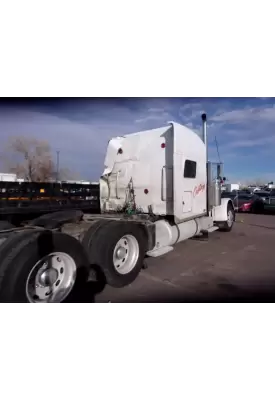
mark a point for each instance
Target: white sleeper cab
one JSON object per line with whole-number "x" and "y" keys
{"x": 164, "y": 172}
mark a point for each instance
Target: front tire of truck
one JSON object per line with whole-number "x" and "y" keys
{"x": 227, "y": 225}
{"x": 42, "y": 267}
{"x": 120, "y": 251}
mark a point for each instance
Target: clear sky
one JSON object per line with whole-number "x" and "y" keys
{"x": 81, "y": 128}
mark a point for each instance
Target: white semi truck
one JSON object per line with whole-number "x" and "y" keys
{"x": 156, "y": 190}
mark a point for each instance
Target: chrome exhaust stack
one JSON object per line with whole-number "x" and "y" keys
{"x": 213, "y": 198}
{"x": 208, "y": 165}
{"x": 204, "y": 133}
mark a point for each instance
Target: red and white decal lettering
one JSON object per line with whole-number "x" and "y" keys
{"x": 198, "y": 189}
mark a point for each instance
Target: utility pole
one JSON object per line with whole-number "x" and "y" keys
{"x": 57, "y": 165}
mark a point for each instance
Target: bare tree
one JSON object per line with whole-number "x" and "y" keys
{"x": 31, "y": 159}
{"x": 66, "y": 174}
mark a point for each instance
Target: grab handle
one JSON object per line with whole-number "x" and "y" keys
{"x": 117, "y": 176}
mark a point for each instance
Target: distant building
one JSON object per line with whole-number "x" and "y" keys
{"x": 229, "y": 187}
{"x": 5, "y": 177}
{"x": 81, "y": 182}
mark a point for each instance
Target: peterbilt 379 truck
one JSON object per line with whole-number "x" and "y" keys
{"x": 156, "y": 190}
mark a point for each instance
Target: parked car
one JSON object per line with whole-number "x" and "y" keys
{"x": 264, "y": 195}
{"x": 244, "y": 202}
{"x": 270, "y": 199}
{"x": 242, "y": 191}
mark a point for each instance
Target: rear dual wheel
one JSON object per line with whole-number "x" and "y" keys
{"x": 42, "y": 267}
{"x": 118, "y": 248}
{"x": 5, "y": 225}
{"x": 52, "y": 278}
{"x": 5, "y": 231}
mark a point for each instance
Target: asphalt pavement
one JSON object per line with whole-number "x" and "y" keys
{"x": 229, "y": 266}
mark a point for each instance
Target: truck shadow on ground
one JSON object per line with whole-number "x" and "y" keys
{"x": 224, "y": 293}
{"x": 95, "y": 285}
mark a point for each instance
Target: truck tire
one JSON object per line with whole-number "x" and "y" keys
{"x": 120, "y": 251}
{"x": 88, "y": 240}
{"x": 25, "y": 276}
{"x": 4, "y": 231}
{"x": 228, "y": 224}
{"x": 56, "y": 219}
{"x": 5, "y": 225}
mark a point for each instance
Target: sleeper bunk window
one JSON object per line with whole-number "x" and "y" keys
{"x": 190, "y": 169}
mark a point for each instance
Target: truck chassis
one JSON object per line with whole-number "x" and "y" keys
{"x": 52, "y": 258}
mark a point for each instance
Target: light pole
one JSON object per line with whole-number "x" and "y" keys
{"x": 57, "y": 165}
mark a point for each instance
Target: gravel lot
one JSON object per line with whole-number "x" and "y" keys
{"x": 235, "y": 266}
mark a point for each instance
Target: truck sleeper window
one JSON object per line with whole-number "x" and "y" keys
{"x": 190, "y": 169}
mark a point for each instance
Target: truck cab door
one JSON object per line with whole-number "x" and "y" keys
{"x": 183, "y": 189}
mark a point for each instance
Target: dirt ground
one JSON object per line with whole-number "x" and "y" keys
{"x": 234, "y": 266}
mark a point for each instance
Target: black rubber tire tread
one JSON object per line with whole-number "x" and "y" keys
{"x": 5, "y": 232}
{"x": 88, "y": 241}
{"x": 105, "y": 242}
{"x": 56, "y": 219}
{"x": 21, "y": 251}
{"x": 5, "y": 251}
{"x": 6, "y": 225}
{"x": 224, "y": 227}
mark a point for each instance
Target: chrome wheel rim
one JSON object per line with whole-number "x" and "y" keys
{"x": 126, "y": 254}
{"x": 230, "y": 218}
{"x": 51, "y": 279}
